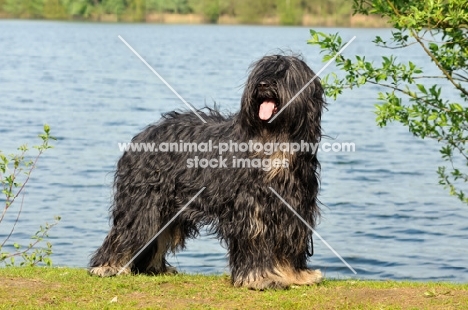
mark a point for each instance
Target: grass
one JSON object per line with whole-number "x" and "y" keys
{"x": 71, "y": 288}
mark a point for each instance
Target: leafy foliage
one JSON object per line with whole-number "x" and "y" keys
{"x": 289, "y": 12}
{"x": 251, "y": 12}
{"x": 24, "y": 8}
{"x": 15, "y": 172}
{"x": 170, "y": 6}
{"x": 53, "y": 9}
{"x": 210, "y": 9}
{"x": 83, "y": 8}
{"x": 417, "y": 100}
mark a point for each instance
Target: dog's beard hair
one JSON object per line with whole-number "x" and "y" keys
{"x": 262, "y": 236}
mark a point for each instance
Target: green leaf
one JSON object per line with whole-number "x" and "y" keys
{"x": 422, "y": 88}
{"x": 456, "y": 107}
{"x": 433, "y": 47}
{"x": 361, "y": 80}
{"x": 433, "y": 116}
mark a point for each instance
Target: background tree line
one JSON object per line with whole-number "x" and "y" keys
{"x": 288, "y": 12}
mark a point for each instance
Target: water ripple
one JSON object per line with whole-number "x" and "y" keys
{"x": 383, "y": 210}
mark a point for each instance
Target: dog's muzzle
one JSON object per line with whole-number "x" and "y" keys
{"x": 267, "y": 99}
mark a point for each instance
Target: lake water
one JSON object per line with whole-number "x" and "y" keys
{"x": 384, "y": 212}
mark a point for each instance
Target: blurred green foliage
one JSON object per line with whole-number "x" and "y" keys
{"x": 287, "y": 12}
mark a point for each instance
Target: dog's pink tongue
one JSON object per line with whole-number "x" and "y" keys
{"x": 266, "y": 110}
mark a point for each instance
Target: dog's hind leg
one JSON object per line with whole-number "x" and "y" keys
{"x": 132, "y": 229}
{"x": 106, "y": 261}
{"x": 157, "y": 263}
{"x": 111, "y": 258}
{"x": 116, "y": 252}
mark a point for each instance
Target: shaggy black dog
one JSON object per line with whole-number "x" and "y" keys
{"x": 267, "y": 244}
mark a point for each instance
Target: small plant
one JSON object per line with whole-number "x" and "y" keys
{"x": 15, "y": 172}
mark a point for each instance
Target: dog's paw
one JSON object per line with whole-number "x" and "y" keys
{"x": 107, "y": 271}
{"x": 168, "y": 270}
{"x": 171, "y": 270}
{"x": 280, "y": 278}
{"x": 313, "y": 276}
{"x": 265, "y": 284}
{"x": 262, "y": 284}
{"x": 267, "y": 280}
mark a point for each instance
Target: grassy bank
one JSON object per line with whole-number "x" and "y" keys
{"x": 67, "y": 288}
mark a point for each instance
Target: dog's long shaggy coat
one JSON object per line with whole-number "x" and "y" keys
{"x": 267, "y": 244}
